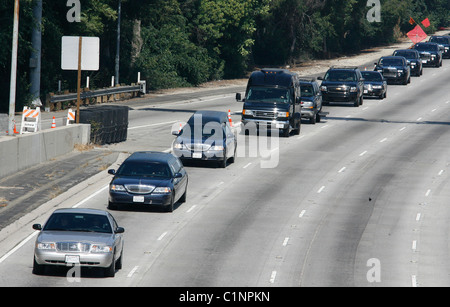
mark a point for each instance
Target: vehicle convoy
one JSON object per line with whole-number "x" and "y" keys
{"x": 206, "y": 136}
{"x": 394, "y": 69}
{"x": 444, "y": 43}
{"x": 79, "y": 237}
{"x": 311, "y": 100}
{"x": 148, "y": 178}
{"x": 374, "y": 84}
{"x": 413, "y": 57}
{"x": 272, "y": 98}
{"x": 430, "y": 53}
{"x": 342, "y": 84}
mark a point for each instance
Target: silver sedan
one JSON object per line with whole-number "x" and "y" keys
{"x": 79, "y": 237}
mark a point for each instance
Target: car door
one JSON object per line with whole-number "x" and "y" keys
{"x": 317, "y": 96}
{"x": 180, "y": 183}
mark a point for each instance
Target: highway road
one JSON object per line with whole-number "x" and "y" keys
{"x": 359, "y": 199}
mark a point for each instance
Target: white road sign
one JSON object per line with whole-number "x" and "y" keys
{"x": 90, "y": 53}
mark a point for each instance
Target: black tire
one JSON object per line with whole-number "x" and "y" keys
{"x": 169, "y": 207}
{"x": 183, "y": 197}
{"x": 112, "y": 206}
{"x": 318, "y": 118}
{"x": 356, "y": 103}
{"x": 111, "y": 270}
{"x": 38, "y": 269}
{"x": 312, "y": 120}
{"x": 285, "y": 132}
{"x": 119, "y": 261}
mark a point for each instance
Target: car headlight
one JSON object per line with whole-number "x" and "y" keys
{"x": 162, "y": 190}
{"x": 400, "y": 71}
{"x": 99, "y": 248}
{"x": 283, "y": 114}
{"x": 46, "y": 246}
{"x": 353, "y": 89}
{"x": 377, "y": 87}
{"x": 323, "y": 88}
{"x": 117, "y": 187}
{"x": 307, "y": 104}
{"x": 247, "y": 112}
{"x": 216, "y": 148}
{"x": 433, "y": 56}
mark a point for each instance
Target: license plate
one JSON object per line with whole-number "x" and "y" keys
{"x": 72, "y": 259}
{"x": 280, "y": 126}
{"x": 138, "y": 199}
{"x": 424, "y": 61}
{"x": 197, "y": 155}
{"x": 366, "y": 91}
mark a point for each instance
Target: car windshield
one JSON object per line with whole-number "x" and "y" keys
{"x": 391, "y": 62}
{"x": 307, "y": 90}
{"x": 406, "y": 54}
{"x": 268, "y": 94}
{"x": 144, "y": 169}
{"x": 340, "y": 76}
{"x": 426, "y": 47}
{"x": 440, "y": 40}
{"x": 78, "y": 222}
{"x": 368, "y": 76}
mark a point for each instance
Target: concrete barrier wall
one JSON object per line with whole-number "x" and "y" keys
{"x": 23, "y": 151}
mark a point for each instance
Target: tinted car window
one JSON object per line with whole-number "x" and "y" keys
{"x": 372, "y": 77}
{"x": 144, "y": 169}
{"x": 406, "y": 54}
{"x": 394, "y": 62}
{"x": 336, "y": 75}
{"x": 268, "y": 94}
{"x": 307, "y": 90}
{"x": 439, "y": 40}
{"x": 426, "y": 47}
{"x": 78, "y": 222}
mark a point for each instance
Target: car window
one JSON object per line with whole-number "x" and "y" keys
{"x": 144, "y": 169}
{"x": 307, "y": 90}
{"x": 78, "y": 222}
{"x": 336, "y": 75}
{"x": 393, "y": 62}
{"x": 406, "y": 54}
{"x": 371, "y": 76}
{"x": 268, "y": 94}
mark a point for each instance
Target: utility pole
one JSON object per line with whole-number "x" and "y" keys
{"x": 13, "y": 82}
{"x": 116, "y": 78}
{"x": 35, "y": 60}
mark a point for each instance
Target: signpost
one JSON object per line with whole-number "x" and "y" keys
{"x": 80, "y": 53}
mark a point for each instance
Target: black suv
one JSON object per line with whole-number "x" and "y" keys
{"x": 413, "y": 57}
{"x": 443, "y": 41}
{"x": 394, "y": 68}
{"x": 342, "y": 84}
{"x": 430, "y": 53}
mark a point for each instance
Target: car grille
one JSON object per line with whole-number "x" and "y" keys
{"x": 390, "y": 72}
{"x": 198, "y": 147}
{"x": 338, "y": 89}
{"x": 264, "y": 114}
{"x": 139, "y": 188}
{"x": 425, "y": 55}
{"x": 73, "y": 247}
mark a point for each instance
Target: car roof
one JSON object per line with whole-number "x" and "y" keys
{"x": 392, "y": 57}
{"x": 154, "y": 156}
{"x": 403, "y": 50}
{"x": 370, "y": 72}
{"x": 81, "y": 211}
{"x": 209, "y": 116}
{"x": 343, "y": 68}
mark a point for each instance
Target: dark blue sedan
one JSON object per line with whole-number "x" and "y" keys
{"x": 148, "y": 178}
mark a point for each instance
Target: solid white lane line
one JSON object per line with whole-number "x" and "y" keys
{"x": 383, "y": 140}
{"x": 414, "y": 245}
{"x": 321, "y": 189}
{"x": 302, "y": 213}
{"x": 247, "y": 165}
{"x": 92, "y": 196}
{"x": 285, "y": 242}
{"x": 441, "y": 172}
{"x": 191, "y": 208}
{"x": 403, "y": 129}
{"x": 428, "y": 193}
{"x": 342, "y": 169}
{"x": 152, "y": 125}
{"x": 413, "y": 281}
{"x": 418, "y": 217}
{"x": 18, "y": 246}
{"x": 363, "y": 153}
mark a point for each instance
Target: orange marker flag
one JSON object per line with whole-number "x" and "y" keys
{"x": 411, "y": 20}
{"x": 426, "y": 22}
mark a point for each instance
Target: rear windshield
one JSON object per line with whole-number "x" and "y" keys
{"x": 426, "y": 47}
{"x": 393, "y": 62}
{"x": 307, "y": 90}
{"x": 406, "y": 54}
{"x": 440, "y": 40}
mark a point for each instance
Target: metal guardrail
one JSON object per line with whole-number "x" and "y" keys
{"x": 55, "y": 102}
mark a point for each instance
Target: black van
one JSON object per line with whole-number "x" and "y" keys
{"x": 272, "y": 98}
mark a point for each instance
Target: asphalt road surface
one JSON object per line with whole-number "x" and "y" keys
{"x": 359, "y": 199}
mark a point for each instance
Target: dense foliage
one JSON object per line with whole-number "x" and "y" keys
{"x": 175, "y": 43}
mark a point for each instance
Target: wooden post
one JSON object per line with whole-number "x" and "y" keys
{"x": 79, "y": 80}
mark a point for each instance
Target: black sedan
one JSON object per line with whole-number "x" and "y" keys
{"x": 148, "y": 178}
{"x": 374, "y": 84}
{"x": 394, "y": 68}
{"x": 413, "y": 58}
{"x": 443, "y": 41}
{"x": 430, "y": 53}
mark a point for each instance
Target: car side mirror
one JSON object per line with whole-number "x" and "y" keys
{"x": 112, "y": 171}
{"x": 238, "y": 97}
{"x": 319, "y": 78}
{"x": 178, "y": 175}
{"x": 119, "y": 230}
{"x": 37, "y": 227}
